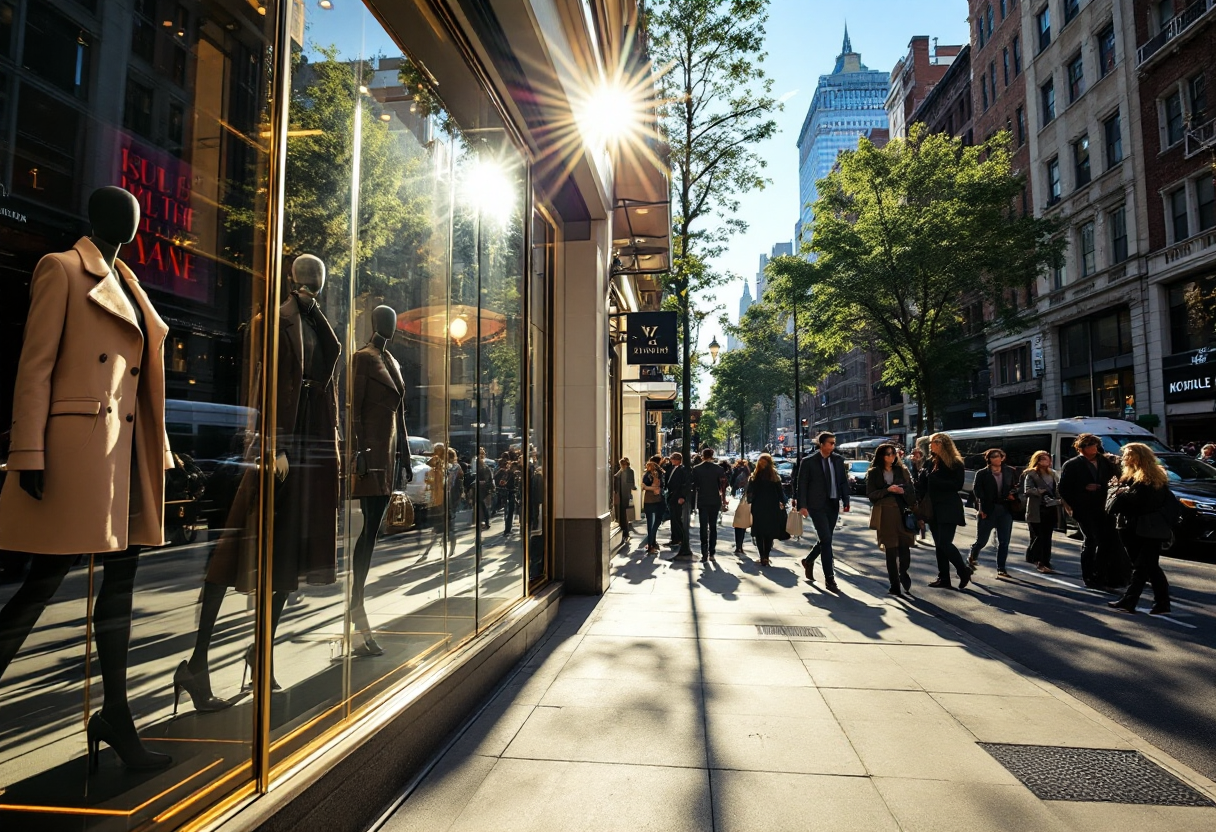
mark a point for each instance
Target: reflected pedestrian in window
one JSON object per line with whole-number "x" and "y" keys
{"x": 767, "y": 499}
{"x": 939, "y": 484}
{"x": 1042, "y": 491}
{"x": 996, "y": 493}
{"x": 889, "y": 486}
{"x": 1144, "y": 508}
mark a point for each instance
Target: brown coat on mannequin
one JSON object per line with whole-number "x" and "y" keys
{"x": 89, "y": 392}
{"x": 378, "y": 411}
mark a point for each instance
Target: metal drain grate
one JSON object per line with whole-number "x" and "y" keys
{"x": 1099, "y": 775}
{"x": 789, "y": 632}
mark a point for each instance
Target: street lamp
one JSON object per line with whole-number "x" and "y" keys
{"x": 714, "y": 348}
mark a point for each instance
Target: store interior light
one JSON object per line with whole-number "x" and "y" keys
{"x": 325, "y": 4}
{"x": 386, "y": 117}
{"x": 458, "y": 329}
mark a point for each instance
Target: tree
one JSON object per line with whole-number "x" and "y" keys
{"x": 715, "y": 107}
{"x": 905, "y": 233}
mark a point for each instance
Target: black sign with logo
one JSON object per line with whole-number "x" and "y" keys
{"x": 651, "y": 338}
{"x": 1190, "y": 376}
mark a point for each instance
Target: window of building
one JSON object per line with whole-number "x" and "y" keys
{"x": 1205, "y": 202}
{"x": 1198, "y": 89}
{"x": 1178, "y": 218}
{"x": 1016, "y": 44}
{"x": 8, "y": 15}
{"x": 1174, "y": 125}
{"x": 1080, "y": 158}
{"x": 143, "y": 30}
{"x": 137, "y": 108}
{"x": 1112, "y": 133}
{"x": 992, "y": 79}
{"x": 1004, "y": 8}
{"x": 1071, "y": 9}
{"x": 1047, "y": 97}
{"x": 1096, "y": 365}
{"x": 988, "y": 20}
{"x": 1187, "y": 332}
{"x": 1020, "y": 119}
{"x": 1106, "y": 50}
{"x": 1013, "y": 365}
{"x": 1005, "y": 64}
{"x": 57, "y": 50}
{"x": 1088, "y": 260}
{"x": 1044, "y": 21}
{"x": 1165, "y": 13}
{"x": 984, "y": 93}
{"x": 1117, "y": 219}
{"x": 1076, "y": 78}
{"x": 1053, "y": 181}
{"x": 979, "y": 31}
{"x": 1059, "y": 274}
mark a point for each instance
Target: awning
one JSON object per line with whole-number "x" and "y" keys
{"x": 653, "y": 390}
{"x": 641, "y": 221}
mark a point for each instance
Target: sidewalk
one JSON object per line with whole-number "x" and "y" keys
{"x": 664, "y": 706}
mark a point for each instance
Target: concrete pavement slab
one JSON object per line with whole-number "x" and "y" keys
{"x": 961, "y": 670}
{"x": 442, "y": 796}
{"x": 799, "y": 701}
{"x": 647, "y": 694}
{"x": 747, "y": 801}
{"x": 1121, "y": 817}
{"x": 929, "y": 749}
{"x": 672, "y": 737}
{"x": 773, "y": 742}
{"x": 1027, "y": 720}
{"x": 494, "y": 729}
{"x": 853, "y": 666}
{"x": 755, "y": 661}
{"x": 937, "y": 806}
{"x": 624, "y": 657}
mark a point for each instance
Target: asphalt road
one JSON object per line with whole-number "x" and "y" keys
{"x": 1155, "y": 675}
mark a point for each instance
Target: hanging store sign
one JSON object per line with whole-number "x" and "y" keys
{"x": 650, "y": 338}
{"x": 1189, "y": 376}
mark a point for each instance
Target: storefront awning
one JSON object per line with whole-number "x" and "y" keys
{"x": 653, "y": 390}
{"x": 641, "y": 222}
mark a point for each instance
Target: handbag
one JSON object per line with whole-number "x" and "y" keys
{"x": 782, "y": 534}
{"x": 906, "y": 515}
{"x": 743, "y": 515}
{"x": 793, "y": 525}
{"x": 400, "y": 514}
{"x": 361, "y": 462}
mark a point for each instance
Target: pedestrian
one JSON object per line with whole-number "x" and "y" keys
{"x": 740, "y": 475}
{"x": 708, "y": 488}
{"x": 1083, "y": 483}
{"x": 679, "y": 492}
{"x": 891, "y": 491}
{"x": 506, "y": 483}
{"x": 622, "y": 496}
{"x": 1145, "y": 508}
{"x": 1042, "y": 490}
{"x": 1208, "y": 454}
{"x": 823, "y": 492}
{"x": 940, "y": 481}
{"x": 916, "y": 461}
{"x": 768, "y": 503}
{"x": 484, "y": 498}
{"x": 996, "y": 493}
{"x": 652, "y": 504}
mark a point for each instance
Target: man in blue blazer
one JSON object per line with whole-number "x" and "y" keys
{"x": 823, "y": 491}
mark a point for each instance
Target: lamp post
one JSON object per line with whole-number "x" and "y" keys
{"x": 797, "y": 388}
{"x": 714, "y": 349}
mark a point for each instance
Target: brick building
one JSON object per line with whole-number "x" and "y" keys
{"x": 913, "y": 78}
{"x": 948, "y": 107}
{"x": 998, "y": 80}
{"x": 1175, "y": 45}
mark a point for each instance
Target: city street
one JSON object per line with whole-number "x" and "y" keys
{"x": 1151, "y": 674}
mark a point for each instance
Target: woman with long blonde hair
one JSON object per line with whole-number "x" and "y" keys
{"x": 1141, "y": 502}
{"x": 940, "y": 481}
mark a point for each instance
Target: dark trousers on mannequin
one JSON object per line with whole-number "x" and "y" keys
{"x": 213, "y": 598}
{"x": 373, "y": 516}
{"x": 111, "y": 618}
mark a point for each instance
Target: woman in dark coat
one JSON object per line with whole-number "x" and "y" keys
{"x": 940, "y": 482}
{"x": 1138, "y": 502}
{"x": 767, "y": 499}
{"x": 890, "y": 490}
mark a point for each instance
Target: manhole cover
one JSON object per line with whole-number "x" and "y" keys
{"x": 1100, "y": 775}
{"x": 789, "y": 632}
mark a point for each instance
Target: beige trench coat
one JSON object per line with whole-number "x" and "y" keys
{"x": 89, "y": 391}
{"x": 886, "y": 514}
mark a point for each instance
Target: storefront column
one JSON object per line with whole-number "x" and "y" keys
{"x": 583, "y": 511}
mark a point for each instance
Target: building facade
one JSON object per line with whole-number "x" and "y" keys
{"x": 339, "y": 203}
{"x": 947, "y": 108}
{"x": 847, "y": 104}
{"x": 745, "y": 303}
{"x": 913, "y": 78}
{"x": 1175, "y": 43}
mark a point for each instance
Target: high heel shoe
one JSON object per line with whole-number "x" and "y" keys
{"x": 125, "y": 742}
{"x": 199, "y": 689}
{"x": 248, "y": 671}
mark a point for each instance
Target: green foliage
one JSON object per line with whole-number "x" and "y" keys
{"x": 905, "y": 235}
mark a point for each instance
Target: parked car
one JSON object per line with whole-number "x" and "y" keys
{"x": 785, "y": 470}
{"x": 857, "y": 475}
{"x": 1194, "y": 483}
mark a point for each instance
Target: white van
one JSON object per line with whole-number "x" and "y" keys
{"x": 1056, "y": 436}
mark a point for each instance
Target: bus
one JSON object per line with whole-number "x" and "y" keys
{"x": 1056, "y": 436}
{"x": 861, "y": 448}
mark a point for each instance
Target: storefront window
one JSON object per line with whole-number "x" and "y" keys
{"x": 1097, "y": 365}
{"x": 121, "y": 694}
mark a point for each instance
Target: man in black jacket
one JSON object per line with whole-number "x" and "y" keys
{"x": 995, "y": 491}
{"x": 1083, "y": 483}
{"x": 708, "y": 486}
{"x": 679, "y": 491}
{"x": 823, "y": 491}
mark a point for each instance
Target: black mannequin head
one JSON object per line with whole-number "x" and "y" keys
{"x": 384, "y": 323}
{"x": 308, "y": 272}
{"x": 114, "y": 215}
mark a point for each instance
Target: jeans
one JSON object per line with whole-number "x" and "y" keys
{"x": 824, "y": 521}
{"x": 709, "y": 529}
{"x": 654, "y": 516}
{"x": 899, "y": 558}
{"x": 947, "y": 553}
{"x": 1001, "y": 521}
{"x": 1039, "y": 550}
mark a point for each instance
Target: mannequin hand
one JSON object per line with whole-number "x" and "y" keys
{"x": 33, "y": 483}
{"x": 280, "y": 467}
{"x": 804, "y": 512}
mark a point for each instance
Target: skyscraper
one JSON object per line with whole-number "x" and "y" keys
{"x": 848, "y": 104}
{"x": 745, "y": 302}
{"x": 778, "y": 250}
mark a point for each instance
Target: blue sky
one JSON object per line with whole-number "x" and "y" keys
{"x": 804, "y": 37}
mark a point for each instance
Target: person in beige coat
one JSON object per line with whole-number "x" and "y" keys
{"x": 88, "y": 451}
{"x": 890, "y": 488}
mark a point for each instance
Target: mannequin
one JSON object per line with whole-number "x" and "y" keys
{"x": 91, "y": 472}
{"x": 379, "y": 440}
{"x": 306, "y": 467}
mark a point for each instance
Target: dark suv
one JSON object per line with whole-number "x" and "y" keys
{"x": 1194, "y": 483}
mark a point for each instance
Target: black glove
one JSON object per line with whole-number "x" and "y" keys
{"x": 33, "y": 483}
